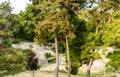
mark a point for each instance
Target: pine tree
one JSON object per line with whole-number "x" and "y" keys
{"x": 111, "y": 38}
{"x": 48, "y": 25}
{"x": 69, "y": 11}
{"x": 100, "y": 15}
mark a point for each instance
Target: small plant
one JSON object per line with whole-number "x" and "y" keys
{"x": 63, "y": 71}
{"x": 48, "y": 55}
{"x": 7, "y": 41}
{"x": 17, "y": 41}
{"x": 51, "y": 61}
{"x": 40, "y": 65}
{"x": 32, "y": 62}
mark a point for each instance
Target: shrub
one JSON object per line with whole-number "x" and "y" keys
{"x": 48, "y": 55}
{"x": 32, "y": 62}
{"x": 17, "y": 41}
{"x": 74, "y": 69}
{"x": 7, "y": 41}
{"x": 51, "y": 61}
{"x": 12, "y": 61}
{"x": 113, "y": 63}
{"x": 40, "y": 65}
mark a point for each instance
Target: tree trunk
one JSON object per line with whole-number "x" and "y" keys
{"x": 68, "y": 56}
{"x": 57, "y": 53}
{"x": 89, "y": 67}
{"x": 33, "y": 73}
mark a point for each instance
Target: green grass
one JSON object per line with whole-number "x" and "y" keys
{"x": 61, "y": 74}
{"x": 97, "y": 74}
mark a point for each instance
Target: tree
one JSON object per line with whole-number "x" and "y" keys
{"x": 76, "y": 43}
{"x": 32, "y": 62}
{"x": 26, "y": 22}
{"x": 5, "y": 19}
{"x": 111, "y": 38}
{"x": 67, "y": 9}
{"x": 99, "y": 16}
{"x": 49, "y": 26}
{"x": 69, "y": 12}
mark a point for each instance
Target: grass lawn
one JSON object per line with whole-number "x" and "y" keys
{"x": 51, "y": 74}
{"x": 40, "y": 74}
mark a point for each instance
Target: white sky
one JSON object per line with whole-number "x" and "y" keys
{"x": 18, "y": 5}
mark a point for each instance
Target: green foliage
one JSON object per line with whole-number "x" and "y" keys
{"x": 95, "y": 28}
{"x": 26, "y": 22}
{"x": 111, "y": 34}
{"x": 61, "y": 48}
{"x": 75, "y": 63}
{"x": 40, "y": 20}
{"x": 32, "y": 62}
{"x": 40, "y": 65}
{"x": 74, "y": 66}
{"x": 62, "y": 71}
{"x": 16, "y": 41}
{"x": 6, "y": 19}
{"x": 111, "y": 38}
{"x": 76, "y": 43}
{"x": 117, "y": 16}
{"x": 74, "y": 69}
{"x": 113, "y": 64}
{"x": 11, "y": 60}
{"x": 51, "y": 61}
{"x": 7, "y": 41}
{"x": 48, "y": 55}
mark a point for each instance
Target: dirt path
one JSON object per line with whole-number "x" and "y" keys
{"x": 39, "y": 74}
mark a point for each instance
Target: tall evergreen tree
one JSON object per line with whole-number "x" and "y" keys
{"x": 111, "y": 38}
{"x": 100, "y": 14}
{"x": 49, "y": 26}
{"x": 67, "y": 9}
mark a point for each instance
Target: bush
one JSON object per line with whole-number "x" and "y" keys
{"x": 17, "y": 41}
{"x": 51, "y": 61}
{"x": 113, "y": 63}
{"x": 12, "y": 61}
{"x": 63, "y": 71}
{"x": 74, "y": 69}
{"x": 40, "y": 65}
{"x": 32, "y": 62}
{"x": 7, "y": 41}
{"x": 75, "y": 63}
{"x": 48, "y": 55}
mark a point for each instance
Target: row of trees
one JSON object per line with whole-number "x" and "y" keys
{"x": 80, "y": 26}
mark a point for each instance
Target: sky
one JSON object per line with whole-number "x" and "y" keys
{"x": 18, "y": 5}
